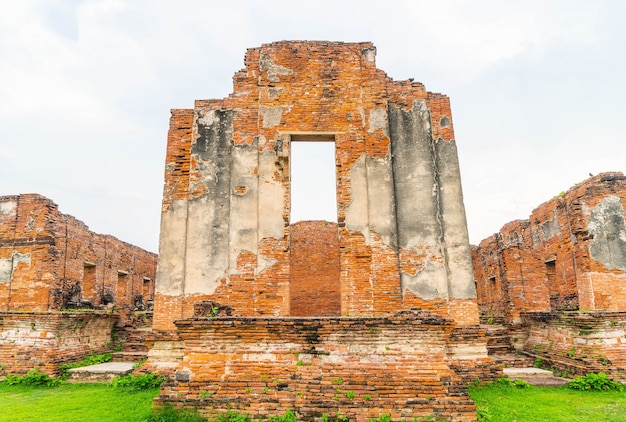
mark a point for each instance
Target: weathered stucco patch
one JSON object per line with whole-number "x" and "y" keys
{"x": 271, "y": 195}
{"x": 356, "y": 213}
{"x": 273, "y": 70}
{"x": 378, "y": 120}
{"x": 606, "y": 224}
{"x": 172, "y": 243}
{"x": 8, "y": 207}
{"x": 8, "y": 265}
{"x": 428, "y": 283}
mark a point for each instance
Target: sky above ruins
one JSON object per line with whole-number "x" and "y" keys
{"x": 537, "y": 91}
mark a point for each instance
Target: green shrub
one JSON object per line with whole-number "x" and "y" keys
{"x": 595, "y": 382}
{"x": 34, "y": 377}
{"x": 512, "y": 383}
{"x": 138, "y": 382}
{"x": 233, "y": 417}
{"x": 289, "y": 416}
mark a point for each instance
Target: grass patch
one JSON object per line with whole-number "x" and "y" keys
{"x": 502, "y": 402}
{"x": 74, "y": 402}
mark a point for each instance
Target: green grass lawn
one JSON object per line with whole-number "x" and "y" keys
{"x": 502, "y": 403}
{"x": 495, "y": 402}
{"x": 73, "y": 403}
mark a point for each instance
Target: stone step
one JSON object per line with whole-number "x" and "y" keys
{"x": 103, "y": 372}
{"x": 535, "y": 376}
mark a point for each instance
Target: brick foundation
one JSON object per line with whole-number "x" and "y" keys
{"x": 360, "y": 367}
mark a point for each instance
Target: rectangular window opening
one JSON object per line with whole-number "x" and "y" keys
{"x": 313, "y": 178}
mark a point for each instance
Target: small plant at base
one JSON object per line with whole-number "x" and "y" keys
{"x": 367, "y": 397}
{"x": 233, "y": 416}
{"x": 266, "y": 390}
{"x": 138, "y": 382}
{"x": 169, "y": 414}
{"x": 538, "y": 363}
{"x": 595, "y": 382}
{"x": 483, "y": 414}
{"x": 340, "y": 417}
{"x": 289, "y": 416}
{"x": 337, "y": 381}
{"x": 33, "y": 377}
{"x": 513, "y": 383}
{"x": 350, "y": 395}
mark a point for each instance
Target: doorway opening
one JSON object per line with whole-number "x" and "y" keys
{"x": 315, "y": 288}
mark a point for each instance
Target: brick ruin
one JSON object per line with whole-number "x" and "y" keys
{"x": 63, "y": 288}
{"x": 558, "y": 279}
{"x": 373, "y": 314}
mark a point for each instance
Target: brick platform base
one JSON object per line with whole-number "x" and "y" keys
{"x": 400, "y": 365}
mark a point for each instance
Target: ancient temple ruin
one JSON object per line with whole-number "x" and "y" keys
{"x": 269, "y": 313}
{"x": 557, "y": 280}
{"x": 50, "y": 265}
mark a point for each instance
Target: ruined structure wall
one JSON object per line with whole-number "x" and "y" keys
{"x": 226, "y": 227}
{"x": 570, "y": 255}
{"x": 45, "y": 255}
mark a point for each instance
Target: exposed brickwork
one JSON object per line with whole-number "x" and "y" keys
{"x": 49, "y": 260}
{"x": 358, "y": 367}
{"x": 547, "y": 262}
{"x": 315, "y": 287}
{"x": 44, "y": 340}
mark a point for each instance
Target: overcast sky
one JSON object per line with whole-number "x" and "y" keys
{"x": 537, "y": 91}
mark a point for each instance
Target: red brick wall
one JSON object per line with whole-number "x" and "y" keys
{"x": 51, "y": 252}
{"x": 314, "y": 272}
{"x": 545, "y": 263}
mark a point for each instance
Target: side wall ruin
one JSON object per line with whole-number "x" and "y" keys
{"x": 50, "y": 260}
{"x": 558, "y": 279}
{"x": 50, "y": 263}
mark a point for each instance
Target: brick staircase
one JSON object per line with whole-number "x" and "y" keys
{"x": 500, "y": 348}
{"x": 136, "y": 345}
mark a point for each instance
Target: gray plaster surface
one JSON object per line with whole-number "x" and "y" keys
{"x": 117, "y": 368}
